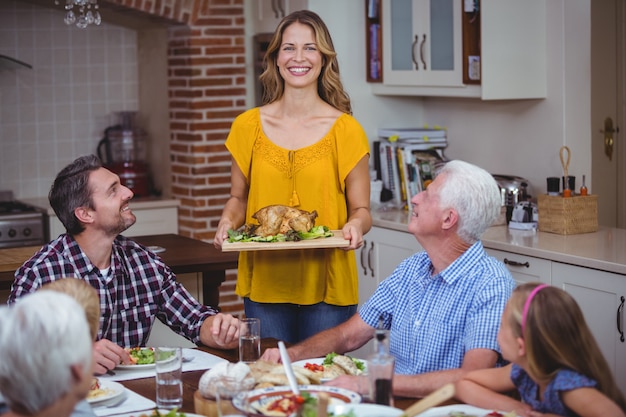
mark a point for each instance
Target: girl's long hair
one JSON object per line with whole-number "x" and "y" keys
{"x": 329, "y": 85}
{"x": 556, "y": 336}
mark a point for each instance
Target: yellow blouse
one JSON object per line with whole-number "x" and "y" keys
{"x": 316, "y": 174}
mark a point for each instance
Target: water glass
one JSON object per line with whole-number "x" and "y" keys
{"x": 249, "y": 340}
{"x": 169, "y": 385}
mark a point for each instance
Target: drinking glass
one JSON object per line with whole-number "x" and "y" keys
{"x": 169, "y": 385}
{"x": 250, "y": 340}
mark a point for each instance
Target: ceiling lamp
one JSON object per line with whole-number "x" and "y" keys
{"x": 86, "y": 13}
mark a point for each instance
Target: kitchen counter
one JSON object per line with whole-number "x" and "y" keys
{"x": 604, "y": 250}
{"x": 143, "y": 203}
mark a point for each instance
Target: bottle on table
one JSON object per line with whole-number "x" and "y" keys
{"x": 380, "y": 368}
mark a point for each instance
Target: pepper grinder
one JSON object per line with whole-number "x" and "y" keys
{"x": 583, "y": 188}
{"x": 380, "y": 367}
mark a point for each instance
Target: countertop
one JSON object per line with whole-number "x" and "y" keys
{"x": 142, "y": 203}
{"x": 604, "y": 250}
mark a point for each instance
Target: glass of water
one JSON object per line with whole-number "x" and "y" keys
{"x": 250, "y": 340}
{"x": 169, "y": 385}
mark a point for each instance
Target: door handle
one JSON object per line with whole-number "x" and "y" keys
{"x": 369, "y": 259}
{"x": 620, "y": 315}
{"x": 363, "y": 251}
{"x": 608, "y": 132}
{"x": 422, "y": 51}
{"x": 413, "y": 53}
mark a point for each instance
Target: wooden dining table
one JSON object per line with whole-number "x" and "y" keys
{"x": 147, "y": 386}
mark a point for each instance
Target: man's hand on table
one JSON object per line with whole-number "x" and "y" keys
{"x": 107, "y": 355}
{"x": 220, "y": 331}
{"x": 273, "y": 355}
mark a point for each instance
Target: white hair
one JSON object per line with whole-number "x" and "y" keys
{"x": 474, "y": 194}
{"x": 41, "y": 336}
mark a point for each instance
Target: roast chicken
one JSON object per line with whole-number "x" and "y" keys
{"x": 277, "y": 219}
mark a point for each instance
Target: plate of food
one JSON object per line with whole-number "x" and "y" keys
{"x": 142, "y": 357}
{"x": 333, "y": 365}
{"x": 464, "y": 410}
{"x": 363, "y": 410}
{"x": 104, "y": 390}
{"x": 281, "y": 402}
{"x": 283, "y": 227}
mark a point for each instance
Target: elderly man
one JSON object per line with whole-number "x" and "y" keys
{"x": 46, "y": 366}
{"x": 134, "y": 285}
{"x": 443, "y": 305}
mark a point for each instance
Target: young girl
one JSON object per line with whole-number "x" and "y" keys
{"x": 556, "y": 364}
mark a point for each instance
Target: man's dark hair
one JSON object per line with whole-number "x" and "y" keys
{"x": 70, "y": 190}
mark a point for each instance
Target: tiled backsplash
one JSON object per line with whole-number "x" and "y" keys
{"x": 58, "y": 110}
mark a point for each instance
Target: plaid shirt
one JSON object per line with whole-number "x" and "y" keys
{"x": 138, "y": 287}
{"x": 435, "y": 320}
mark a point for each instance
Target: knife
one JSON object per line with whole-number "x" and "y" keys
{"x": 284, "y": 356}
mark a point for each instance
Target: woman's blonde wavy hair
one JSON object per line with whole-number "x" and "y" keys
{"x": 329, "y": 86}
{"x": 556, "y": 336}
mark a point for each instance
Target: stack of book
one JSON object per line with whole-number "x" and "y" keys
{"x": 406, "y": 160}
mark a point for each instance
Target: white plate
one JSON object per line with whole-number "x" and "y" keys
{"x": 365, "y": 410}
{"x": 467, "y": 409}
{"x": 265, "y": 395}
{"x": 112, "y": 388}
{"x": 156, "y": 249}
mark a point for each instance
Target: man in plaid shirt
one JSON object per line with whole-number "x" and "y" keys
{"x": 133, "y": 283}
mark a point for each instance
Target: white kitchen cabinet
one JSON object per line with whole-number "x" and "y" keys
{"x": 601, "y": 296}
{"x": 422, "y": 42}
{"x": 524, "y": 268}
{"x": 512, "y": 47}
{"x": 382, "y": 251}
{"x": 266, "y": 14}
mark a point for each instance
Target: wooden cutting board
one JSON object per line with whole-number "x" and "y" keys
{"x": 336, "y": 241}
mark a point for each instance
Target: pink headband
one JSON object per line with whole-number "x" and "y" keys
{"x": 527, "y": 304}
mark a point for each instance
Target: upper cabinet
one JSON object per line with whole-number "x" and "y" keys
{"x": 422, "y": 43}
{"x": 268, "y": 13}
{"x": 488, "y": 49}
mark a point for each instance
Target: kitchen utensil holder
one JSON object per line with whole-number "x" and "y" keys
{"x": 568, "y": 216}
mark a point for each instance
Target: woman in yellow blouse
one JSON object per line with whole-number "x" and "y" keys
{"x": 304, "y": 149}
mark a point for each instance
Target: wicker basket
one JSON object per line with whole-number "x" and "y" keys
{"x": 568, "y": 216}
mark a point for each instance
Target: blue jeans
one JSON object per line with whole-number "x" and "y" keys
{"x": 293, "y": 323}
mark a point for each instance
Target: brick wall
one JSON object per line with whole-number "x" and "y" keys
{"x": 206, "y": 72}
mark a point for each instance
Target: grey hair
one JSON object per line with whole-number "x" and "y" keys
{"x": 474, "y": 194}
{"x": 41, "y": 337}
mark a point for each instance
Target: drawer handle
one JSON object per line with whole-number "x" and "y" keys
{"x": 363, "y": 260}
{"x": 369, "y": 259}
{"x": 515, "y": 263}
{"x": 620, "y": 314}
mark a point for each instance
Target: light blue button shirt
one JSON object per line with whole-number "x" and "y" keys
{"x": 436, "y": 320}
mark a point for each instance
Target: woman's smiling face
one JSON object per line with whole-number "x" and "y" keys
{"x": 299, "y": 60}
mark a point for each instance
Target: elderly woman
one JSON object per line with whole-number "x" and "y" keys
{"x": 46, "y": 346}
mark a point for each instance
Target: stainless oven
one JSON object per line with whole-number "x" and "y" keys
{"x": 21, "y": 224}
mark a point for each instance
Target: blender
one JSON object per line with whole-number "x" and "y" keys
{"x": 122, "y": 150}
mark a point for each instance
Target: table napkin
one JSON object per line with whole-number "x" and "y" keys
{"x": 133, "y": 403}
{"x": 199, "y": 360}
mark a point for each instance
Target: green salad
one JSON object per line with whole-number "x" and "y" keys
{"x": 328, "y": 360}
{"x": 142, "y": 356}
{"x": 316, "y": 232}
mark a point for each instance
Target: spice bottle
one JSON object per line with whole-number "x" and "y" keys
{"x": 583, "y": 188}
{"x": 380, "y": 367}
